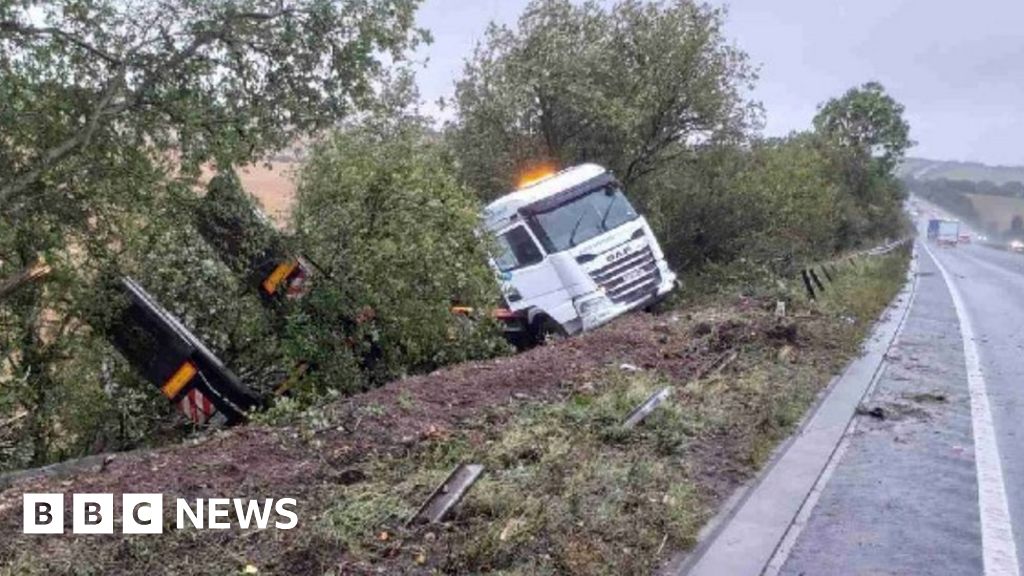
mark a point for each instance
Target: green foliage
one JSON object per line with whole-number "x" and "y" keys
{"x": 233, "y": 223}
{"x": 773, "y": 203}
{"x": 108, "y": 110}
{"x": 655, "y": 92}
{"x": 780, "y": 203}
{"x": 865, "y": 138}
{"x": 869, "y": 122}
{"x": 379, "y": 207}
{"x": 208, "y": 80}
{"x": 629, "y": 87}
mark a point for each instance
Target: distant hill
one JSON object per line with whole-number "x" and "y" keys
{"x": 989, "y": 198}
{"x": 925, "y": 169}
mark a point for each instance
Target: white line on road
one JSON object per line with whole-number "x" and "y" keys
{"x": 785, "y": 548}
{"x": 999, "y": 550}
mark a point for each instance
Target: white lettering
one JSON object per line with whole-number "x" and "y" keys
{"x": 219, "y": 508}
{"x": 252, "y": 509}
{"x": 282, "y": 510}
{"x": 185, "y": 510}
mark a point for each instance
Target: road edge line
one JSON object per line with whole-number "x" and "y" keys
{"x": 796, "y": 528}
{"x": 999, "y": 549}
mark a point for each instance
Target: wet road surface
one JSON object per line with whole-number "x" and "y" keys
{"x": 903, "y": 498}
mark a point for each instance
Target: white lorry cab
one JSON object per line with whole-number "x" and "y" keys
{"x": 572, "y": 253}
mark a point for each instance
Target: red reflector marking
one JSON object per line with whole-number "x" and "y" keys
{"x": 196, "y": 406}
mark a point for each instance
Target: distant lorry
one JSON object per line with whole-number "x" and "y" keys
{"x": 949, "y": 233}
{"x": 572, "y": 253}
{"x": 933, "y": 228}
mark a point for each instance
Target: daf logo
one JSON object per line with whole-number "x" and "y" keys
{"x": 621, "y": 252}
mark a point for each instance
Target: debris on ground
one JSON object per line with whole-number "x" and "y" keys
{"x": 891, "y": 411}
{"x": 876, "y": 412}
{"x": 926, "y": 397}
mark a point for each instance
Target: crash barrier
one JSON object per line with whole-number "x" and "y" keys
{"x": 816, "y": 277}
{"x": 174, "y": 360}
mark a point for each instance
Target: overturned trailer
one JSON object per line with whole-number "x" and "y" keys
{"x": 248, "y": 244}
{"x": 173, "y": 359}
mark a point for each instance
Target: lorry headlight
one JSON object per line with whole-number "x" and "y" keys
{"x": 591, "y": 306}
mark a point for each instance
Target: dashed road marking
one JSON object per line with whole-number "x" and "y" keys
{"x": 999, "y": 550}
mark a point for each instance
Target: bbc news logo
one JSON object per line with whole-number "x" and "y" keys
{"x": 144, "y": 513}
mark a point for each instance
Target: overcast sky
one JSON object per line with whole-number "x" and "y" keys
{"x": 957, "y": 66}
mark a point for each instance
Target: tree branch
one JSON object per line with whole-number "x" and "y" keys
{"x": 10, "y": 284}
{"x": 19, "y": 28}
{"x": 60, "y": 151}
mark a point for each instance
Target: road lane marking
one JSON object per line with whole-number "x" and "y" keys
{"x": 789, "y": 540}
{"x": 999, "y": 550}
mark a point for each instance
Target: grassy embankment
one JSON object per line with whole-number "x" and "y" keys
{"x": 566, "y": 490}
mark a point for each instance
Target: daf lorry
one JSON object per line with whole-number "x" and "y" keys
{"x": 572, "y": 253}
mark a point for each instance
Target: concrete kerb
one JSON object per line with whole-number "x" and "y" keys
{"x": 747, "y": 532}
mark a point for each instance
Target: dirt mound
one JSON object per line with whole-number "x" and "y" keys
{"x": 417, "y": 407}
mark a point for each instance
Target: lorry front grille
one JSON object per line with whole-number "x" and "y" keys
{"x": 629, "y": 279}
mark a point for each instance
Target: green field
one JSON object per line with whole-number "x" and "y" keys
{"x": 923, "y": 168}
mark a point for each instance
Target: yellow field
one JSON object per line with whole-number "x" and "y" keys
{"x": 273, "y": 185}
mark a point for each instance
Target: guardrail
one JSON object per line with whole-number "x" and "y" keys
{"x": 817, "y": 276}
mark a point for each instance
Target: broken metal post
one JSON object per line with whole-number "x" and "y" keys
{"x": 807, "y": 284}
{"x": 644, "y": 410}
{"x": 817, "y": 281}
{"x": 448, "y": 494}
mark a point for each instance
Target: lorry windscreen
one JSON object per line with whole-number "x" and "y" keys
{"x": 582, "y": 218}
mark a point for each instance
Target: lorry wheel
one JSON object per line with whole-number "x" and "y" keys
{"x": 548, "y": 331}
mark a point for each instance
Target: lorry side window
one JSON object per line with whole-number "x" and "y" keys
{"x": 516, "y": 249}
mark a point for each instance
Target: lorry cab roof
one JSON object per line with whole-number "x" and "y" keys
{"x": 504, "y": 210}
